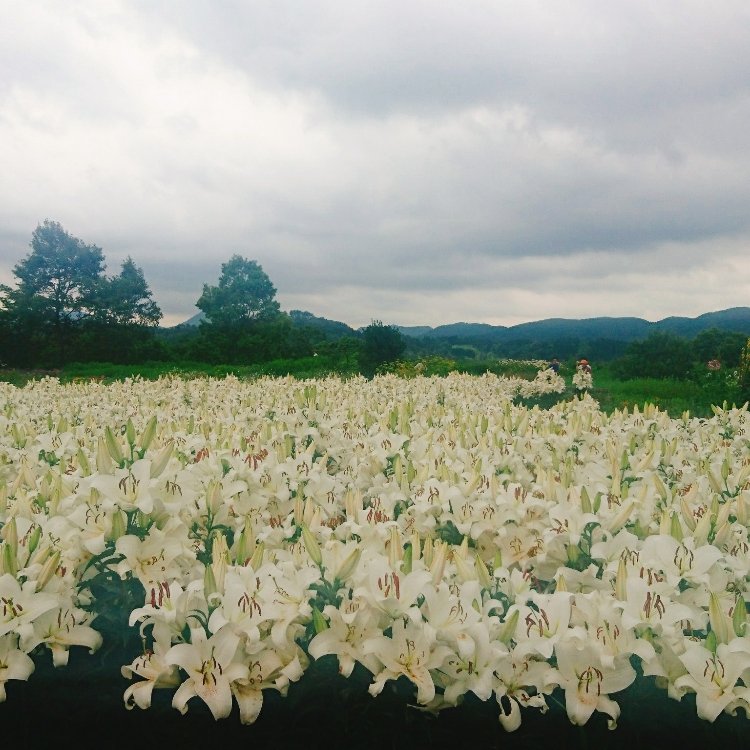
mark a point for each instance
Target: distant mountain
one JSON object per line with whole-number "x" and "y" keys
{"x": 332, "y": 328}
{"x": 616, "y": 329}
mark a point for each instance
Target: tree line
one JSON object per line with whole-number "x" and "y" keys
{"x": 64, "y": 308}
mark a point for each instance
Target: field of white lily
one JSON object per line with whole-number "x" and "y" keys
{"x": 429, "y": 530}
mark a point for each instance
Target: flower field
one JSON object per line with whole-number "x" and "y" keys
{"x": 429, "y": 533}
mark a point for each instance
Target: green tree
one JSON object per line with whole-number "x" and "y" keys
{"x": 63, "y": 307}
{"x": 122, "y": 327}
{"x": 126, "y": 299}
{"x": 726, "y": 346}
{"x": 244, "y": 324}
{"x": 661, "y": 355}
{"x": 57, "y": 289}
{"x": 243, "y": 295}
{"x": 380, "y": 344}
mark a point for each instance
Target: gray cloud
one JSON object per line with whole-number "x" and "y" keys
{"x": 389, "y": 160}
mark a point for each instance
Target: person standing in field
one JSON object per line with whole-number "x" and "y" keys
{"x": 583, "y": 379}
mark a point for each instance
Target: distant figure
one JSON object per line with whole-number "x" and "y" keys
{"x": 554, "y": 365}
{"x": 582, "y": 380}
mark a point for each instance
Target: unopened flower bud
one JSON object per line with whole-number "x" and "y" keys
{"x": 113, "y": 446}
{"x": 349, "y": 565}
{"x": 9, "y": 560}
{"x": 319, "y": 622}
{"x": 437, "y": 568}
{"x": 406, "y": 562}
{"x": 104, "y": 463}
{"x": 721, "y": 625}
{"x": 162, "y": 459}
{"x": 148, "y": 434}
{"x": 395, "y": 551}
{"x": 256, "y": 561}
{"x": 739, "y": 617}
{"x": 119, "y": 525}
{"x": 311, "y": 545}
{"x": 508, "y": 630}
{"x": 483, "y": 573}
{"x": 130, "y": 433}
{"x": 48, "y": 570}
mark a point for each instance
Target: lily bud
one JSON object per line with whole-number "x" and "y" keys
{"x": 162, "y": 459}
{"x": 309, "y": 509}
{"x": 148, "y": 434}
{"x": 256, "y": 561}
{"x": 119, "y": 526}
{"x": 586, "y": 506}
{"x": 743, "y": 512}
{"x": 437, "y": 568}
{"x": 244, "y": 542}
{"x": 10, "y": 532}
{"x": 10, "y": 563}
{"x": 113, "y": 446}
{"x": 298, "y": 510}
{"x": 210, "y": 589}
{"x": 406, "y": 562}
{"x": 220, "y": 559}
{"x": 721, "y": 625}
{"x": 395, "y": 550}
{"x": 312, "y": 546}
{"x": 483, "y": 574}
{"x": 687, "y": 515}
{"x": 36, "y": 535}
{"x": 621, "y": 590}
{"x": 416, "y": 546}
{"x": 739, "y": 617}
{"x": 213, "y": 496}
{"x": 508, "y": 629}
{"x": 349, "y": 565}
{"x": 661, "y": 488}
{"x": 464, "y": 570}
{"x": 83, "y": 463}
{"x": 713, "y": 480}
{"x": 48, "y": 570}
{"x": 130, "y": 432}
{"x": 427, "y": 552}
{"x": 319, "y": 622}
{"x": 104, "y": 463}
{"x": 621, "y": 518}
{"x": 675, "y": 529}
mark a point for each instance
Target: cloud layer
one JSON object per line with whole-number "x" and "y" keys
{"x": 418, "y": 163}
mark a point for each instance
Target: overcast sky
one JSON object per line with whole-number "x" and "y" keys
{"x": 416, "y": 162}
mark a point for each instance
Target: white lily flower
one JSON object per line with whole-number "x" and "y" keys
{"x": 520, "y": 683}
{"x": 152, "y": 667}
{"x": 587, "y": 681}
{"x": 14, "y": 663}
{"x": 346, "y": 635}
{"x": 21, "y": 605}
{"x": 211, "y": 668}
{"x": 411, "y": 651}
{"x": 59, "y": 629}
{"x": 713, "y": 677}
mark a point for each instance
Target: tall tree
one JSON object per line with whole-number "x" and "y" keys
{"x": 64, "y": 307}
{"x": 380, "y": 344}
{"x": 244, "y": 295}
{"x": 57, "y": 289}
{"x": 126, "y": 299}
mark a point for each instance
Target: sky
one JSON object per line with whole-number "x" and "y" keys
{"x": 418, "y": 162}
